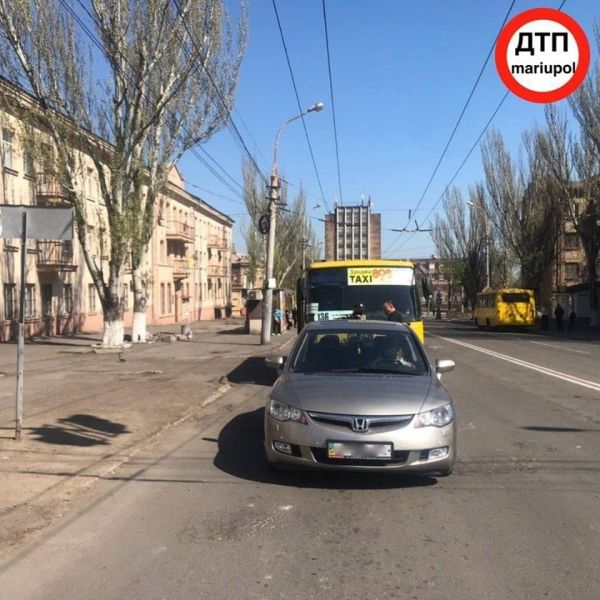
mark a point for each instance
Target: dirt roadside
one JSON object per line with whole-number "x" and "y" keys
{"x": 86, "y": 414}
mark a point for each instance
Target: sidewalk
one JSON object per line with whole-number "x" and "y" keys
{"x": 86, "y": 413}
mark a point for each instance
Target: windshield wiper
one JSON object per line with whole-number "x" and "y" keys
{"x": 375, "y": 370}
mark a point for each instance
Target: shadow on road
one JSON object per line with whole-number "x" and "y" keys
{"x": 234, "y": 331}
{"x": 557, "y": 429}
{"x": 253, "y": 370}
{"x": 242, "y": 455}
{"x": 79, "y": 430}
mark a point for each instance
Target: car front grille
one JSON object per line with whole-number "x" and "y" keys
{"x": 372, "y": 423}
{"x": 398, "y": 457}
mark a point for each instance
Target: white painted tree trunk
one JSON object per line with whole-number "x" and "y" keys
{"x": 138, "y": 328}
{"x": 113, "y": 333}
{"x": 114, "y": 327}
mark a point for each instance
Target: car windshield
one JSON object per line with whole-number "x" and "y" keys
{"x": 329, "y": 291}
{"x": 351, "y": 351}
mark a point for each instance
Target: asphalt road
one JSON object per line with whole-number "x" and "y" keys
{"x": 198, "y": 514}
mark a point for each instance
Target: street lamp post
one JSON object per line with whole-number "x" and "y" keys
{"x": 273, "y": 197}
{"x": 487, "y": 242}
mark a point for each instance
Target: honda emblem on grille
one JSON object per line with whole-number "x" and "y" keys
{"x": 360, "y": 424}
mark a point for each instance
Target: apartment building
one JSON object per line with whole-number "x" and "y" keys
{"x": 567, "y": 279}
{"x": 352, "y": 232}
{"x": 451, "y": 293}
{"x": 243, "y": 279}
{"x": 188, "y": 266}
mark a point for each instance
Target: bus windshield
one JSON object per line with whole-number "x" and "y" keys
{"x": 329, "y": 290}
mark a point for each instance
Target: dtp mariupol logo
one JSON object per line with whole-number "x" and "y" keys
{"x": 542, "y": 55}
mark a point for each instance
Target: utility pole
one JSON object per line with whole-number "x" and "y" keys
{"x": 273, "y": 196}
{"x": 267, "y": 303}
{"x": 487, "y": 241}
{"x": 304, "y": 245}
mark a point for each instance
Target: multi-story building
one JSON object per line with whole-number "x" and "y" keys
{"x": 352, "y": 232}
{"x": 567, "y": 279}
{"x": 243, "y": 279}
{"x": 187, "y": 269}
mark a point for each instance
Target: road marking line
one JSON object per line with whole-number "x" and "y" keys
{"x": 559, "y": 347}
{"x": 592, "y": 385}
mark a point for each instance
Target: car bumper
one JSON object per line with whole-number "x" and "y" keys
{"x": 410, "y": 446}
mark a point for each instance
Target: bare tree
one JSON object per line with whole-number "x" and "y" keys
{"x": 293, "y": 226}
{"x": 170, "y": 85}
{"x": 575, "y": 165}
{"x": 523, "y": 203}
{"x": 459, "y": 240}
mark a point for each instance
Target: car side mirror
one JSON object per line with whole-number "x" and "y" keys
{"x": 275, "y": 362}
{"x": 443, "y": 366}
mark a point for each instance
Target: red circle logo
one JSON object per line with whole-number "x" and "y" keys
{"x": 542, "y": 55}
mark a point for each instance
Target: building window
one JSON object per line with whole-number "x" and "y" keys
{"x": 571, "y": 241}
{"x": 46, "y": 299}
{"x": 28, "y": 164}
{"x": 92, "y": 297}
{"x": 169, "y": 299}
{"x": 67, "y": 298}
{"x": 163, "y": 254}
{"x": 10, "y": 301}
{"x": 571, "y": 270}
{"x": 162, "y": 299}
{"x": 29, "y": 300}
{"x": 7, "y": 140}
{"x": 126, "y": 296}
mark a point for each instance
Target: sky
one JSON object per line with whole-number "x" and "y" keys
{"x": 402, "y": 71}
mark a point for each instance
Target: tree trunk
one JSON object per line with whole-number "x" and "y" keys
{"x": 594, "y": 311}
{"x": 112, "y": 310}
{"x": 138, "y": 329}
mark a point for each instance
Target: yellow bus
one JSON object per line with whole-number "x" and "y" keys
{"x": 510, "y": 307}
{"x": 331, "y": 289}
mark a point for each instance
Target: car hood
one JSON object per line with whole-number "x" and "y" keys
{"x": 356, "y": 394}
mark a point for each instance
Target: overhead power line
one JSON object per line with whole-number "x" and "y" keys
{"x": 335, "y": 135}
{"x": 464, "y": 109}
{"x": 300, "y": 108}
{"x": 231, "y": 123}
{"x": 462, "y": 164}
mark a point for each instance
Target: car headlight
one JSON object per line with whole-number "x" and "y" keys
{"x": 438, "y": 417}
{"x": 286, "y": 412}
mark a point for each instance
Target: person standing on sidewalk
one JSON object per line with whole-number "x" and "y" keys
{"x": 572, "y": 320}
{"x": 559, "y": 313}
{"x": 277, "y": 317}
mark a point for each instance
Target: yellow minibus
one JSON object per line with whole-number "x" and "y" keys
{"x": 508, "y": 307}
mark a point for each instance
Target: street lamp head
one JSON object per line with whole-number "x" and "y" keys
{"x": 315, "y": 107}
{"x": 470, "y": 203}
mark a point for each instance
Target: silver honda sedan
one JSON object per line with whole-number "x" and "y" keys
{"x": 360, "y": 395}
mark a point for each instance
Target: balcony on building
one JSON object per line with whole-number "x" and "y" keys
{"x": 49, "y": 192}
{"x": 180, "y": 265}
{"x": 217, "y": 241}
{"x": 180, "y": 230}
{"x": 55, "y": 255}
{"x": 218, "y": 271}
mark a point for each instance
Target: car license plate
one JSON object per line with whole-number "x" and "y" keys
{"x": 358, "y": 451}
